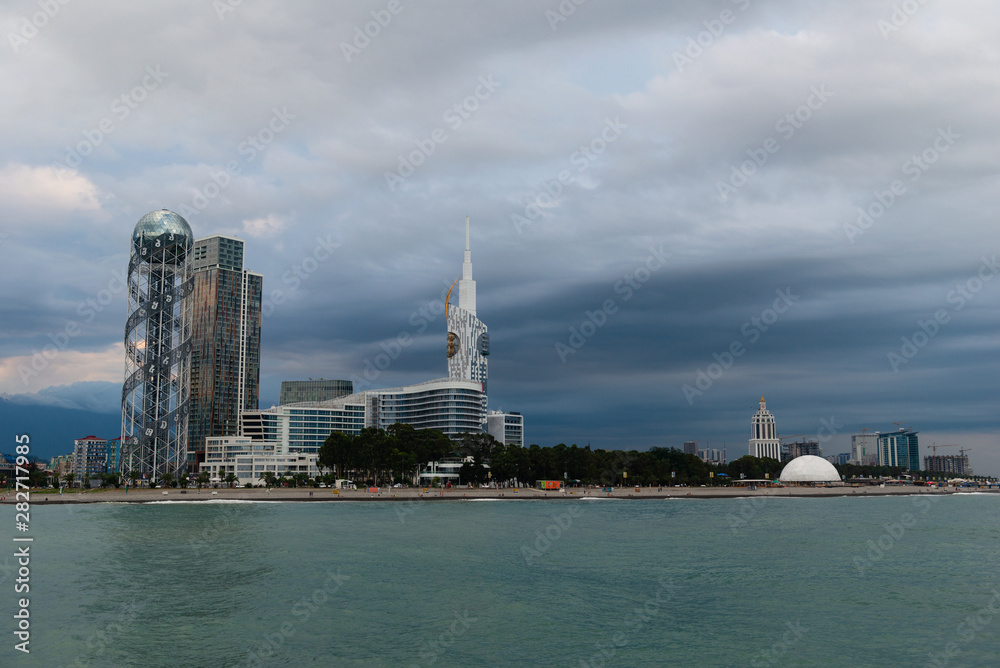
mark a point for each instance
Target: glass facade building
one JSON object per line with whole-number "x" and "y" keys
{"x": 303, "y": 427}
{"x": 899, "y": 448}
{"x": 155, "y": 394}
{"x": 451, "y": 405}
{"x": 314, "y": 389}
{"x": 225, "y": 338}
{"x": 114, "y": 455}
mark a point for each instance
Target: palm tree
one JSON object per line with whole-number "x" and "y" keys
{"x": 203, "y": 478}
{"x": 167, "y": 479}
{"x": 231, "y": 478}
{"x": 132, "y": 475}
{"x": 70, "y": 477}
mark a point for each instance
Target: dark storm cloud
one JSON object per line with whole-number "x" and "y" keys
{"x": 762, "y": 146}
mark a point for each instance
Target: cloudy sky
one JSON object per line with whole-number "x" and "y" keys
{"x": 676, "y": 206}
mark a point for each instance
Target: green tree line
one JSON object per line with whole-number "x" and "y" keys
{"x": 377, "y": 456}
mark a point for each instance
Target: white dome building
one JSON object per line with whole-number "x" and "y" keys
{"x": 807, "y": 469}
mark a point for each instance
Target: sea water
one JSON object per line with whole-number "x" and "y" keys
{"x": 898, "y": 581}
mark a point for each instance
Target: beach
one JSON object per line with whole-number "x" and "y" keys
{"x": 141, "y": 495}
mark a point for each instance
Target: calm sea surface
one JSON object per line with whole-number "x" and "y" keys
{"x": 905, "y": 581}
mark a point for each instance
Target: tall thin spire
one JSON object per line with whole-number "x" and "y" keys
{"x": 467, "y": 286}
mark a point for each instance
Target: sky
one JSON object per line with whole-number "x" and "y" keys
{"x": 676, "y": 207}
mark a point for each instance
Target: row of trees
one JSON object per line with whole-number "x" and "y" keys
{"x": 381, "y": 456}
{"x": 377, "y": 456}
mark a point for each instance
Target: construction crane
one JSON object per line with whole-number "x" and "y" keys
{"x": 785, "y": 438}
{"x": 963, "y": 450}
{"x": 936, "y": 446}
{"x": 897, "y": 425}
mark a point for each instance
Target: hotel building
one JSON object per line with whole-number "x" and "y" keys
{"x": 763, "y": 434}
{"x": 90, "y": 458}
{"x": 453, "y": 406}
{"x": 251, "y": 460}
{"x": 303, "y": 427}
{"x": 899, "y": 448}
{"x": 508, "y": 428}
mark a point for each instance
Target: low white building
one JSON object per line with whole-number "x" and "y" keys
{"x": 508, "y": 428}
{"x": 251, "y": 460}
{"x": 447, "y": 470}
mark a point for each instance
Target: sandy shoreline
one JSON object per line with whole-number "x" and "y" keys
{"x": 459, "y": 494}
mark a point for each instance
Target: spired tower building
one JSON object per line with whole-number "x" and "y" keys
{"x": 763, "y": 434}
{"x": 157, "y": 347}
{"x": 468, "y": 339}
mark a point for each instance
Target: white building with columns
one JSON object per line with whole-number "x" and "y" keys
{"x": 764, "y": 435}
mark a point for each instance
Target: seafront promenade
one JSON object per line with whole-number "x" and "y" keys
{"x": 460, "y": 494}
